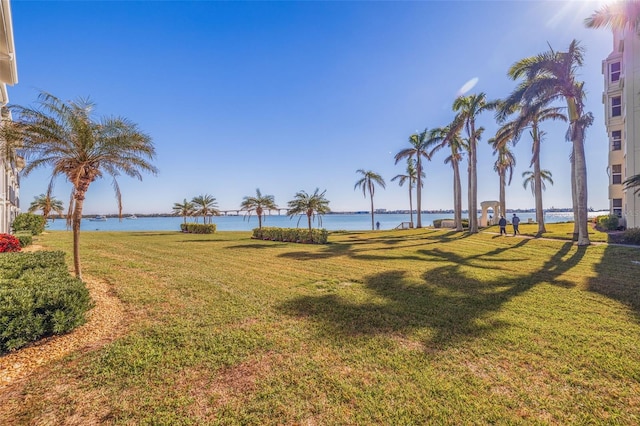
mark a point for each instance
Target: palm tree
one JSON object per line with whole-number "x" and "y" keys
{"x": 368, "y": 183}
{"x": 620, "y": 15}
{"x": 64, "y": 135}
{"x": 505, "y": 162}
{"x": 450, "y": 137}
{"x": 531, "y": 112}
{"x": 420, "y": 143}
{"x": 259, "y": 204}
{"x": 529, "y": 179}
{"x": 46, "y": 203}
{"x": 205, "y": 206}
{"x": 184, "y": 209}
{"x": 411, "y": 177}
{"x": 552, "y": 76}
{"x": 310, "y": 205}
{"x": 469, "y": 108}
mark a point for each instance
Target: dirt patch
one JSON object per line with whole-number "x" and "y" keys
{"x": 105, "y": 322}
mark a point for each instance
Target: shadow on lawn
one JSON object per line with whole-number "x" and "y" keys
{"x": 362, "y": 248}
{"x": 617, "y": 278}
{"x": 449, "y": 300}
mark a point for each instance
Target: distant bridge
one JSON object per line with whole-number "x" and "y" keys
{"x": 239, "y": 212}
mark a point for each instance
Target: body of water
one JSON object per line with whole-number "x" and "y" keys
{"x": 332, "y": 222}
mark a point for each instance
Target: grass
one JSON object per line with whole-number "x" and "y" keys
{"x": 400, "y": 327}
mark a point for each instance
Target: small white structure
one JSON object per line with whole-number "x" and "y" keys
{"x": 495, "y": 206}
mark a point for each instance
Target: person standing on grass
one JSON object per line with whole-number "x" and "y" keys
{"x": 503, "y": 225}
{"x": 515, "y": 220}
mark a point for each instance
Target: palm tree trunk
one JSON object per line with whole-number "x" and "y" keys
{"x": 537, "y": 181}
{"x": 410, "y": 206}
{"x": 574, "y": 196}
{"x": 457, "y": 197}
{"x": 473, "y": 184}
{"x": 371, "y": 196}
{"x": 419, "y": 194}
{"x": 581, "y": 186}
{"x": 309, "y": 222}
{"x": 503, "y": 184}
{"x": 79, "y": 195}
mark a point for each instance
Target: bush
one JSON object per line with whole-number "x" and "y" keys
{"x": 293, "y": 235}
{"x": 29, "y": 222}
{"x": 9, "y": 243}
{"x": 609, "y": 222}
{"x": 197, "y": 228}
{"x": 25, "y": 238}
{"x": 437, "y": 223}
{"x": 38, "y": 298}
{"x": 631, "y": 236}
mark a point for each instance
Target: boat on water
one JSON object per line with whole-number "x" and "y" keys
{"x": 133, "y": 216}
{"x": 99, "y": 218}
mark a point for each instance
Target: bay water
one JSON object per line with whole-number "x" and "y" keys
{"x": 331, "y": 222}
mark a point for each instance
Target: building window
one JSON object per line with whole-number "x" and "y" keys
{"x": 616, "y": 106}
{"x": 616, "y": 174}
{"x": 616, "y": 140}
{"x": 614, "y": 71}
{"x": 617, "y": 206}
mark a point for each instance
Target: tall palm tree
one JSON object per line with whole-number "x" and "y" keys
{"x": 449, "y": 137}
{"x": 184, "y": 209}
{"x": 551, "y": 76}
{"x": 469, "y": 109}
{"x": 368, "y": 183}
{"x": 64, "y": 136}
{"x": 259, "y": 204}
{"x": 311, "y": 205}
{"x": 205, "y": 205}
{"x": 617, "y": 16}
{"x": 529, "y": 180}
{"x": 420, "y": 143}
{"x": 531, "y": 112}
{"x": 411, "y": 177}
{"x": 46, "y": 203}
{"x": 505, "y": 162}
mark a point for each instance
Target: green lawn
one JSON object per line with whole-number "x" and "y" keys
{"x": 401, "y": 327}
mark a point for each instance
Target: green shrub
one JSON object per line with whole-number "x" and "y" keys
{"x": 609, "y": 222}
{"x": 198, "y": 228}
{"x": 293, "y": 235}
{"x": 38, "y": 298}
{"x": 9, "y": 243}
{"x": 29, "y": 222}
{"x": 631, "y": 236}
{"x": 25, "y": 238}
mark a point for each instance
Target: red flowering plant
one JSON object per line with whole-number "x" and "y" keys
{"x": 9, "y": 243}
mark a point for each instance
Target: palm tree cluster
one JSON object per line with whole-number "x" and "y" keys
{"x": 542, "y": 81}
{"x": 202, "y": 205}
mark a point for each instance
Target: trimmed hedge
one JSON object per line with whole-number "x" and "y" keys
{"x": 29, "y": 222}
{"x": 25, "y": 238}
{"x": 198, "y": 228}
{"x": 437, "y": 223}
{"x": 292, "y": 235}
{"x": 631, "y": 236}
{"x": 608, "y": 222}
{"x": 38, "y": 298}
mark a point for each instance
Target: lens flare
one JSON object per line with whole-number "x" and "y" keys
{"x": 468, "y": 86}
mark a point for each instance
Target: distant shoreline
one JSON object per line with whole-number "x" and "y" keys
{"x": 241, "y": 213}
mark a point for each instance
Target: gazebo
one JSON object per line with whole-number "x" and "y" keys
{"x": 495, "y": 206}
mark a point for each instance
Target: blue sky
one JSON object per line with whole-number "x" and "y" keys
{"x": 289, "y": 96}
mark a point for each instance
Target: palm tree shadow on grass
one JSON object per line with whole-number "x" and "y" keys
{"x": 618, "y": 276}
{"x": 453, "y": 305}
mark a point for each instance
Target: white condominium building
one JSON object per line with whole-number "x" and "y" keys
{"x": 621, "y": 99}
{"x": 9, "y": 166}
